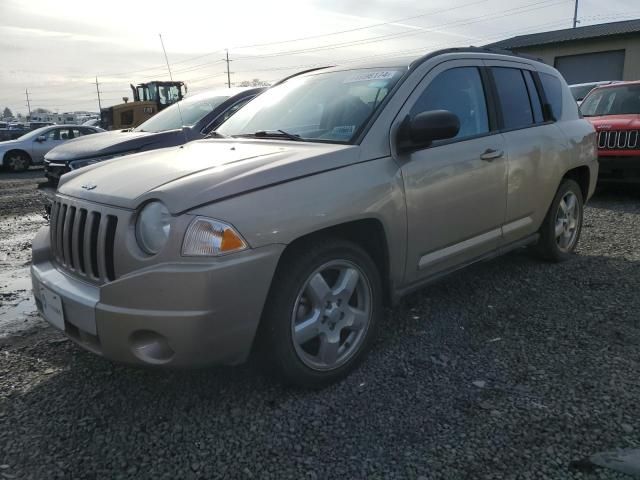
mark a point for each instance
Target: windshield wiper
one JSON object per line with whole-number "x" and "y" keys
{"x": 277, "y": 134}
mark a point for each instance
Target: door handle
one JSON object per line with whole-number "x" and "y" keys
{"x": 491, "y": 154}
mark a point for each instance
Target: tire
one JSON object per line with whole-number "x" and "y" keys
{"x": 560, "y": 230}
{"x": 331, "y": 330}
{"x": 17, "y": 161}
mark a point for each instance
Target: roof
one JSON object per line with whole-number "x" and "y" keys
{"x": 570, "y": 34}
{"x": 619, "y": 84}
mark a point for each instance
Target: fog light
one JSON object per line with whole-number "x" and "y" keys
{"x": 151, "y": 347}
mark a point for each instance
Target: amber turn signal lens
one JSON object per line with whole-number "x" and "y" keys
{"x": 209, "y": 237}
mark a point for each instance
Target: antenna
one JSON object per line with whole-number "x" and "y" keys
{"x": 98, "y": 92}
{"x": 171, "y": 78}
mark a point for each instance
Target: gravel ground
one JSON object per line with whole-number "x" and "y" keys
{"x": 510, "y": 369}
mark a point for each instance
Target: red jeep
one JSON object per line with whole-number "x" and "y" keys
{"x": 614, "y": 110}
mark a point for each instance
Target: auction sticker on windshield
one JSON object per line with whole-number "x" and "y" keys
{"x": 368, "y": 76}
{"x": 51, "y": 307}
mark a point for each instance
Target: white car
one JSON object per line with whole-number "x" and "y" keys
{"x": 580, "y": 90}
{"x": 17, "y": 155}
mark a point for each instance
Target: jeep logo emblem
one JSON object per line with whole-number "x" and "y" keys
{"x": 89, "y": 186}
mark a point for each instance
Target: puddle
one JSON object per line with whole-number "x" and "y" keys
{"x": 17, "y": 307}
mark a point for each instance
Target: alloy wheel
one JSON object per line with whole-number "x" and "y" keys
{"x": 18, "y": 162}
{"x": 567, "y": 222}
{"x": 331, "y": 315}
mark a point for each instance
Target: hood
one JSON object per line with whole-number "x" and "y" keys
{"x": 202, "y": 172}
{"x": 110, "y": 143}
{"x": 8, "y": 144}
{"x": 616, "y": 122}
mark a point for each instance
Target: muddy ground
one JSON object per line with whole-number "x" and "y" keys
{"x": 512, "y": 369}
{"x": 22, "y": 200}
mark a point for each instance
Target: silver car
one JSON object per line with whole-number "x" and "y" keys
{"x": 323, "y": 200}
{"x": 17, "y": 155}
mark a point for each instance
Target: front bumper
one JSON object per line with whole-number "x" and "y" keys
{"x": 619, "y": 169}
{"x": 174, "y": 314}
{"x": 54, "y": 170}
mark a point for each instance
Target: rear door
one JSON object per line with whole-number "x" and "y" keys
{"x": 455, "y": 189}
{"x": 532, "y": 142}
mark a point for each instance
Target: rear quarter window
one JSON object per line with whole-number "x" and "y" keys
{"x": 553, "y": 91}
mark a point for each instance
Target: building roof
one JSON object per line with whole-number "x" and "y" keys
{"x": 569, "y": 35}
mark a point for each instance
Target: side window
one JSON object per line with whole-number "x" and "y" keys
{"x": 536, "y": 104}
{"x": 53, "y": 134}
{"x": 513, "y": 97}
{"x": 460, "y": 91}
{"x": 553, "y": 91}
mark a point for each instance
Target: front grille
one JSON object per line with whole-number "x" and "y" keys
{"x": 82, "y": 240}
{"x": 619, "y": 140}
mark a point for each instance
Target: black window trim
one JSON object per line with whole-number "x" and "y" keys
{"x": 546, "y": 107}
{"x": 547, "y": 110}
{"x": 526, "y": 84}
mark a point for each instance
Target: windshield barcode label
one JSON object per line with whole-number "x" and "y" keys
{"x": 368, "y": 76}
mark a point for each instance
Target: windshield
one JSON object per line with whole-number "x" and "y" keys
{"x": 34, "y": 133}
{"x": 622, "y": 100}
{"x": 579, "y": 92}
{"x": 193, "y": 110}
{"x": 329, "y": 107}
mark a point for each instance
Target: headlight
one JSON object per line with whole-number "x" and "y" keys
{"x": 82, "y": 163}
{"x": 208, "y": 237}
{"x": 153, "y": 226}
{"x": 90, "y": 161}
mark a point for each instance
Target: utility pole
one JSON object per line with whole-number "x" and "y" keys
{"x": 98, "y": 92}
{"x": 228, "y": 70}
{"x": 26, "y": 92}
{"x": 575, "y": 15}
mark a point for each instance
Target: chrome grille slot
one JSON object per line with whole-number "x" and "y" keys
{"x": 618, "y": 140}
{"x": 110, "y": 240}
{"x": 83, "y": 240}
{"x": 93, "y": 243}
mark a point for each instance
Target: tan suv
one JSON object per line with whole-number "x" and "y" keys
{"x": 327, "y": 197}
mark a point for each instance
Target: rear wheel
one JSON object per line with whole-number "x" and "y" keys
{"x": 560, "y": 231}
{"x": 17, "y": 161}
{"x": 322, "y": 313}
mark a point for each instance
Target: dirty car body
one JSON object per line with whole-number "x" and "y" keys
{"x": 335, "y": 192}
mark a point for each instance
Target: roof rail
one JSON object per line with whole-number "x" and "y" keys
{"x": 472, "y": 49}
{"x": 301, "y": 73}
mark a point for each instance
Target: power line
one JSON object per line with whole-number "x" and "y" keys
{"x": 310, "y": 37}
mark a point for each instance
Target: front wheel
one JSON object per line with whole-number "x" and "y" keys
{"x": 560, "y": 231}
{"x": 17, "y": 161}
{"x": 321, "y": 317}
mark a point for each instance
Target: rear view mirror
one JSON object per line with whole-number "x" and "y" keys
{"x": 41, "y": 138}
{"x": 425, "y": 128}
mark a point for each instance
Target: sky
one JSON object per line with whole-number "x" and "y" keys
{"x": 56, "y": 49}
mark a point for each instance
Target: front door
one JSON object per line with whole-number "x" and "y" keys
{"x": 455, "y": 189}
{"x": 52, "y": 139}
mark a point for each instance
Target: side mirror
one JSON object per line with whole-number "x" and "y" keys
{"x": 425, "y": 128}
{"x": 41, "y": 139}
